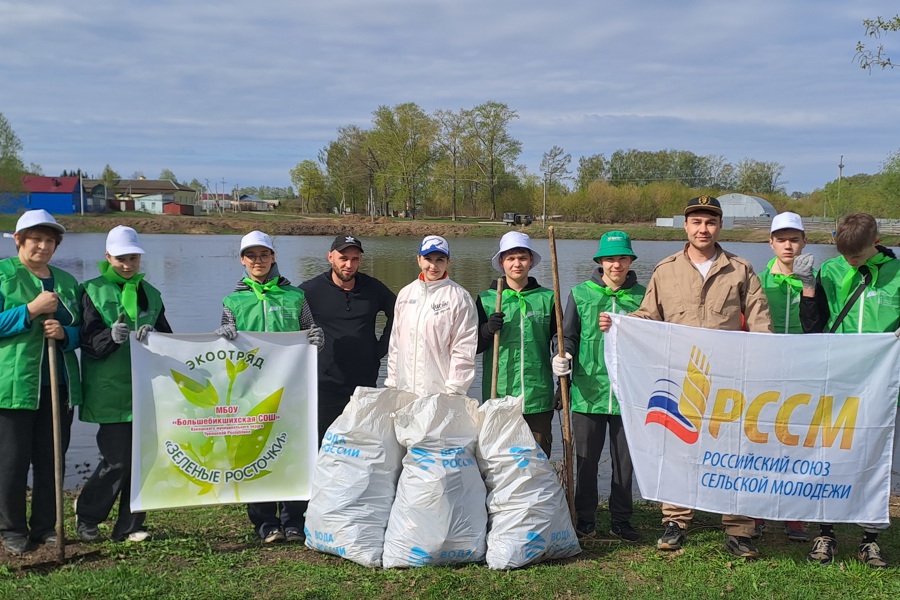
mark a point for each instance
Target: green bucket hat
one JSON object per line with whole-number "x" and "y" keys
{"x": 614, "y": 243}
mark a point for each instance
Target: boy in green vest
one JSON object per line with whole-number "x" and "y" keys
{"x": 612, "y": 288}
{"x": 114, "y": 304}
{"x": 526, "y": 322}
{"x": 263, "y": 300}
{"x": 864, "y": 266}
{"x": 783, "y": 290}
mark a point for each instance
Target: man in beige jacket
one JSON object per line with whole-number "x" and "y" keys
{"x": 705, "y": 286}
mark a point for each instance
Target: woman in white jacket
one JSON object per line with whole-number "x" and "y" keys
{"x": 435, "y": 334}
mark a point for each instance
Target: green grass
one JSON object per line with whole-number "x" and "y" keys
{"x": 211, "y": 554}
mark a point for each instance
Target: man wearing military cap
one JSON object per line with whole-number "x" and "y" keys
{"x": 705, "y": 286}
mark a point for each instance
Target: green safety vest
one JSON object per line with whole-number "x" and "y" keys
{"x": 278, "y": 312}
{"x": 106, "y": 382}
{"x": 591, "y": 391}
{"x": 877, "y": 310}
{"x": 21, "y": 355}
{"x": 784, "y": 300}
{"x": 524, "y": 359}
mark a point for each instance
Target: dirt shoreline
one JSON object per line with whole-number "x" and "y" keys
{"x": 277, "y": 224}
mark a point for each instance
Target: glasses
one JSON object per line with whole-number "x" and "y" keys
{"x": 264, "y": 257}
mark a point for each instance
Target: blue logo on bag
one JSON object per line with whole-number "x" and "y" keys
{"x": 417, "y": 556}
{"x": 535, "y": 544}
{"x": 422, "y": 457}
{"x": 522, "y": 455}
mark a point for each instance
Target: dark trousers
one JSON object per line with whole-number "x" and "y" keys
{"x": 266, "y": 516}
{"x": 110, "y": 481}
{"x": 26, "y": 440}
{"x": 589, "y": 432}
{"x": 541, "y": 425}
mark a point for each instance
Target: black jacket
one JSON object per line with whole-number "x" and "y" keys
{"x": 352, "y": 353}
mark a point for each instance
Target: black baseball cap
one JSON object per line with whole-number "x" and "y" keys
{"x": 707, "y": 203}
{"x": 345, "y": 241}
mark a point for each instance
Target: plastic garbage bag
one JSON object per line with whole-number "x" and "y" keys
{"x": 528, "y": 513}
{"x": 439, "y": 515}
{"x": 355, "y": 478}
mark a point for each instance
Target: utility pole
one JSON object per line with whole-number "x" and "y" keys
{"x": 544, "y": 216}
{"x": 840, "y": 180}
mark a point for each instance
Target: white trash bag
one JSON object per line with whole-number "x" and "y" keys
{"x": 439, "y": 516}
{"x": 527, "y": 507}
{"x": 355, "y": 478}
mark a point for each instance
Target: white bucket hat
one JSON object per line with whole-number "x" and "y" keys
{"x": 514, "y": 239}
{"x": 122, "y": 240}
{"x": 34, "y": 218}
{"x": 787, "y": 220}
{"x": 256, "y": 238}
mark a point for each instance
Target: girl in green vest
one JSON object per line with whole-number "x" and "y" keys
{"x": 612, "y": 288}
{"x": 526, "y": 322}
{"x": 114, "y": 304}
{"x": 38, "y": 303}
{"x": 265, "y": 301}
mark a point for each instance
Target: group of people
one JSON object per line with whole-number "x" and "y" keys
{"x": 434, "y": 330}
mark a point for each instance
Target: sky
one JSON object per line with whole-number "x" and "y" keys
{"x": 242, "y": 91}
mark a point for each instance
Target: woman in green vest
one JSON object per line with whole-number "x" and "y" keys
{"x": 38, "y": 303}
{"x": 113, "y": 305}
{"x": 612, "y": 288}
{"x": 526, "y": 321}
{"x": 265, "y": 301}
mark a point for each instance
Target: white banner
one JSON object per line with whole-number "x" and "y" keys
{"x": 785, "y": 427}
{"x": 219, "y": 422}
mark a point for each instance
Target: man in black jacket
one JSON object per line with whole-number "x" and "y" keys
{"x": 345, "y": 304}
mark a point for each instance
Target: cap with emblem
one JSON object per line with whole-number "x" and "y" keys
{"x": 344, "y": 241}
{"x": 707, "y": 203}
{"x": 434, "y": 243}
{"x": 614, "y": 243}
{"x": 122, "y": 241}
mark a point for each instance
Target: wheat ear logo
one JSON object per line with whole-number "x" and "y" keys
{"x": 684, "y": 416}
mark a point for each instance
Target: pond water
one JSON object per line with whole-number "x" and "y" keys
{"x": 194, "y": 273}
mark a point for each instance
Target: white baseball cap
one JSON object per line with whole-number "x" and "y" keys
{"x": 787, "y": 220}
{"x": 256, "y": 238}
{"x": 511, "y": 240}
{"x": 434, "y": 243}
{"x": 122, "y": 240}
{"x": 35, "y": 218}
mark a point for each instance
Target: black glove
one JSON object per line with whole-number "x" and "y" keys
{"x": 493, "y": 325}
{"x": 557, "y": 399}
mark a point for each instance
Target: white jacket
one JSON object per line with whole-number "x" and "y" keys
{"x": 433, "y": 341}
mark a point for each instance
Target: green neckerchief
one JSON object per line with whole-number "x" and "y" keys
{"x": 781, "y": 279}
{"x": 129, "y": 288}
{"x": 261, "y": 289}
{"x": 847, "y": 285}
{"x": 619, "y": 293}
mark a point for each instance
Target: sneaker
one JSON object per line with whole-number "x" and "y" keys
{"x": 741, "y": 546}
{"x": 294, "y": 535}
{"x": 16, "y": 545}
{"x": 87, "y": 532}
{"x": 272, "y": 535}
{"x": 758, "y": 529}
{"x": 624, "y": 530}
{"x": 585, "y": 529}
{"x": 672, "y": 538}
{"x": 795, "y": 532}
{"x": 140, "y": 535}
{"x": 823, "y": 550}
{"x": 870, "y": 554}
{"x": 47, "y": 538}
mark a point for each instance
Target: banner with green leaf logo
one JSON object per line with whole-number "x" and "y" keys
{"x": 220, "y": 422}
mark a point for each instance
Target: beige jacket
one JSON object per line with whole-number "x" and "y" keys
{"x": 678, "y": 294}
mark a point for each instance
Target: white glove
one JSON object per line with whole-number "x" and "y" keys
{"x": 561, "y": 366}
{"x": 897, "y": 333}
{"x": 142, "y": 332}
{"x": 316, "y": 337}
{"x": 803, "y": 267}
{"x": 120, "y": 330}
{"x": 227, "y": 331}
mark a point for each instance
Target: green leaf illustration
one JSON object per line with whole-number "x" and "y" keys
{"x": 207, "y": 447}
{"x": 229, "y": 368}
{"x": 251, "y": 445}
{"x": 204, "y": 396}
{"x": 243, "y": 364}
{"x": 205, "y": 486}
